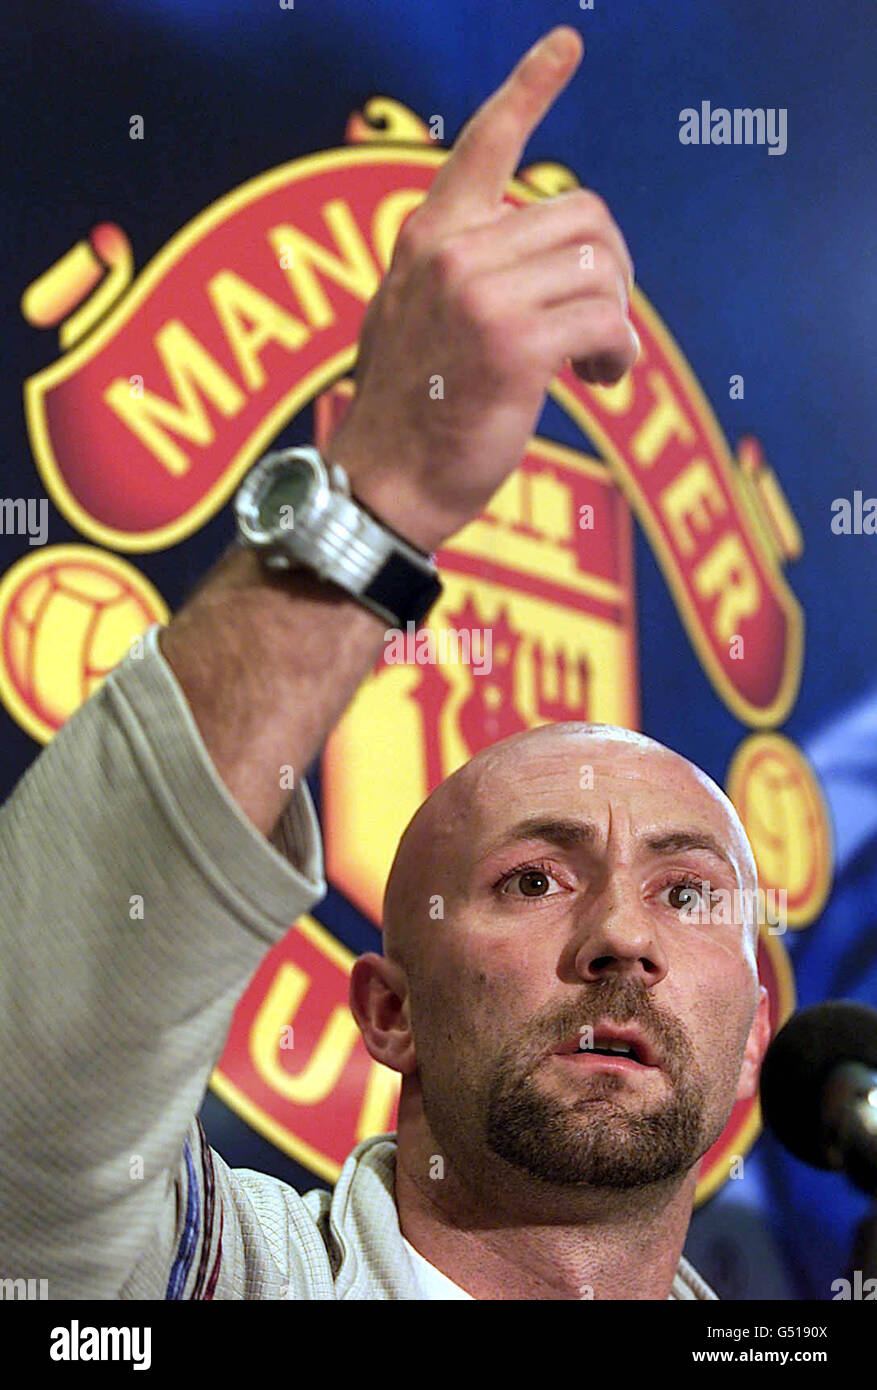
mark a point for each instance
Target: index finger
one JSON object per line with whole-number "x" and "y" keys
{"x": 487, "y": 152}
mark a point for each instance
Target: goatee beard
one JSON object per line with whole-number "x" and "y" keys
{"x": 595, "y": 1141}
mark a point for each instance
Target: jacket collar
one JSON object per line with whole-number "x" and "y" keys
{"x": 364, "y": 1222}
{"x": 368, "y": 1252}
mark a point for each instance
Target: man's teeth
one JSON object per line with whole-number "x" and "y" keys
{"x": 623, "y": 1048}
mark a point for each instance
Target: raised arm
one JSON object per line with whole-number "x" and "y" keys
{"x": 492, "y": 299}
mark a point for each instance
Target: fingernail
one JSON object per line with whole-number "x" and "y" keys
{"x": 639, "y": 346}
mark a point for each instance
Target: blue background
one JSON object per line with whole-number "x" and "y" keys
{"x": 759, "y": 265}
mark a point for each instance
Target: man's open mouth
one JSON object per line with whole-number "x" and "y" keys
{"x": 615, "y": 1043}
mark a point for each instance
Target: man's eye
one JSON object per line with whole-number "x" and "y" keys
{"x": 687, "y": 894}
{"x": 532, "y": 882}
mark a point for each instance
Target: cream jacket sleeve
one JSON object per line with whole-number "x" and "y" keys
{"x": 136, "y": 900}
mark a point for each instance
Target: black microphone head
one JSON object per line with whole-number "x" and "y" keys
{"x": 798, "y": 1064}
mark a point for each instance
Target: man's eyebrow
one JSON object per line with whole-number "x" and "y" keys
{"x": 570, "y": 834}
{"x": 566, "y": 833}
{"x": 677, "y": 841}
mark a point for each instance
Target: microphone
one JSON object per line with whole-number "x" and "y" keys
{"x": 819, "y": 1089}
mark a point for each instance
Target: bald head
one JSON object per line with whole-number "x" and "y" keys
{"x": 566, "y": 765}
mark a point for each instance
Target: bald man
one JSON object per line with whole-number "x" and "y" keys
{"x": 571, "y": 1031}
{"x": 574, "y": 922}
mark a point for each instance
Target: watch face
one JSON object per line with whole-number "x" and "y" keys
{"x": 281, "y": 500}
{"x": 287, "y": 490}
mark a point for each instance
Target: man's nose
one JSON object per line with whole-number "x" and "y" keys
{"x": 618, "y": 939}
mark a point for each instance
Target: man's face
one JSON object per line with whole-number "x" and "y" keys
{"x": 566, "y": 871}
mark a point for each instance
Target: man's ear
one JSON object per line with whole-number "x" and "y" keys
{"x": 379, "y": 1002}
{"x": 756, "y": 1046}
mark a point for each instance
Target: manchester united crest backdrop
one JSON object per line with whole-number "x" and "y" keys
{"x": 203, "y": 196}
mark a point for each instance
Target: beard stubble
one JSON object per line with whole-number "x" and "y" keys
{"x": 598, "y": 1141}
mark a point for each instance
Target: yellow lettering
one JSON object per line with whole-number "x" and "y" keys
{"x": 726, "y": 572}
{"x": 390, "y": 213}
{"x": 151, "y": 417}
{"x": 616, "y": 399}
{"x": 320, "y": 1075}
{"x": 663, "y": 421}
{"x": 381, "y": 1090}
{"x": 684, "y": 501}
{"x": 298, "y": 254}
{"x": 236, "y": 301}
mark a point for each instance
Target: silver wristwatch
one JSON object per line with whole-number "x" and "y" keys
{"x": 294, "y": 510}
